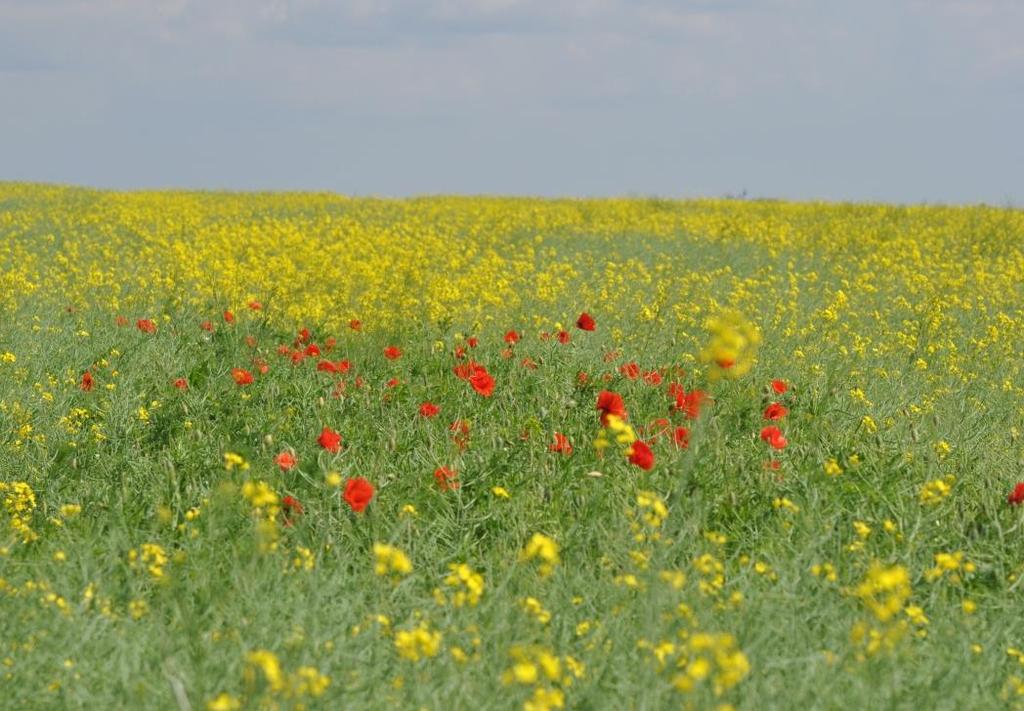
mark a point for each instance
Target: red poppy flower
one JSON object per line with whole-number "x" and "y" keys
{"x": 586, "y": 322}
{"x": 641, "y": 455}
{"x": 285, "y": 460}
{"x": 773, "y": 464}
{"x": 446, "y": 479}
{"x": 206, "y": 326}
{"x": 297, "y": 357}
{"x": 779, "y": 386}
{"x": 630, "y": 370}
{"x": 121, "y": 321}
{"x": 681, "y": 437}
{"x": 689, "y": 403}
{"x": 229, "y": 317}
{"x": 482, "y": 382}
{"x": 355, "y": 324}
{"x": 392, "y": 353}
{"x": 460, "y": 352}
{"x": 261, "y": 365}
{"x": 330, "y": 343}
{"x": 609, "y": 403}
{"x": 303, "y": 336}
{"x": 145, "y": 325}
{"x": 250, "y": 341}
{"x": 312, "y": 351}
{"x": 326, "y": 366}
{"x": 1016, "y": 497}
{"x": 512, "y": 337}
{"x": 472, "y": 342}
{"x": 610, "y": 356}
{"x": 652, "y": 377}
{"x": 393, "y": 382}
{"x": 429, "y": 409}
{"x": 775, "y": 411}
{"x": 242, "y": 376}
{"x": 582, "y": 378}
{"x": 358, "y": 493}
{"x": 564, "y": 337}
{"x": 772, "y": 435}
{"x": 528, "y": 363}
{"x": 330, "y": 440}
{"x": 561, "y": 444}
{"x": 255, "y": 305}
{"x": 181, "y": 384}
{"x": 87, "y": 382}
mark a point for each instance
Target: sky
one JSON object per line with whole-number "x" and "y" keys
{"x": 880, "y": 100}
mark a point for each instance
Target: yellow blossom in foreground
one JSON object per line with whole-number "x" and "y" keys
{"x": 543, "y": 549}
{"x": 390, "y": 560}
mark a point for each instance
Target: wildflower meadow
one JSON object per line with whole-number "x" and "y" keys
{"x": 293, "y": 450}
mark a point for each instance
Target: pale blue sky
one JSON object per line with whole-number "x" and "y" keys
{"x": 895, "y": 100}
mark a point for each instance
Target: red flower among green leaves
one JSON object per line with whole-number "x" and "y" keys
{"x": 358, "y": 493}
{"x": 329, "y": 440}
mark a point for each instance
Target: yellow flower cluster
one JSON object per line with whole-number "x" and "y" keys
{"x": 390, "y": 561}
{"x": 19, "y": 503}
{"x": 544, "y": 550}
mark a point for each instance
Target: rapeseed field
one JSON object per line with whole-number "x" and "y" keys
{"x": 294, "y": 451}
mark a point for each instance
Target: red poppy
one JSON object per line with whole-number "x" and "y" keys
{"x": 429, "y": 409}
{"x": 641, "y": 455}
{"x": 285, "y": 460}
{"x": 773, "y": 464}
{"x": 87, "y": 382}
{"x": 393, "y": 382}
{"x": 312, "y": 351}
{"x": 255, "y": 305}
{"x": 250, "y": 341}
{"x": 460, "y": 352}
{"x": 1016, "y": 497}
{"x": 582, "y": 378}
{"x": 512, "y": 337}
{"x": 229, "y": 317}
{"x": 355, "y": 324}
{"x": 297, "y": 357}
{"x": 482, "y": 382}
{"x": 392, "y": 353}
{"x": 242, "y": 376}
{"x": 561, "y": 444}
{"x": 528, "y": 363}
{"x": 630, "y": 370}
{"x": 121, "y": 321}
{"x": 446, "y": 479}
{"x": 330, "y": 343}
{"x": 610, "y": 356}
{"x": 472, "y": 342}
{"x": 772, "y": 435}
{"x": 779, "y": 386}
{"x": 775, "y": 411}
{"x": 689, "y": 403}
{"x": 358, "y": 493}
{"x": 303, "y": 336}
{"x": 330, "y": 440}
{"x": 564, "y": 337}
{"x": 145, "y": 325}
{"x": 261, "y": 365}
{"x": 681, "y": 437}
{"x": 609, "y": 403}
{"x": 206, "y": 326}
{"x": 181, "y": 384}
{"x": 585, "y": 322}
{"x": 652, "y": 377}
